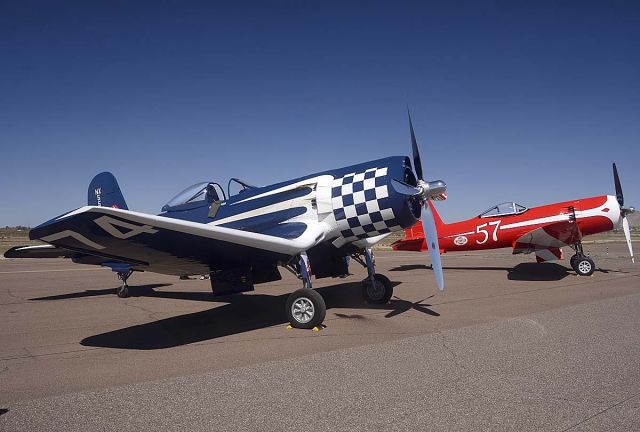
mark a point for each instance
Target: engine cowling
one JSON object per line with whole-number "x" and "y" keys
{"x": 366, "y": 205}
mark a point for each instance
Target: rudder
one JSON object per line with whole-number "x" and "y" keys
{"x": 105, "y": 192}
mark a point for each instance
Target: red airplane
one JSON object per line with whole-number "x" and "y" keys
{"x": 542, "y": 230}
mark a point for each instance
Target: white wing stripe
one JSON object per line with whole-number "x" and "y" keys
{"x": 68, "y": 233}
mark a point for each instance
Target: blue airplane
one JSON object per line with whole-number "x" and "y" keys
{"x": 309, "y": 226}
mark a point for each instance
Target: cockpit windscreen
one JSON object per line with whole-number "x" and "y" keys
{"x": 504, "y": 209}
{"x": 191, "y": 194}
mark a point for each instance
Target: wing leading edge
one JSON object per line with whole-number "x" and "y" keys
{"x": 39, "y": 251}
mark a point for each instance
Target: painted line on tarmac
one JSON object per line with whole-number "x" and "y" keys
{"x": 47, "y": 271}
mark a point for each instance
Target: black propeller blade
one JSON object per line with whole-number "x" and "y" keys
{"x": 616, "y": 179}
{"x": 417, "y": 164}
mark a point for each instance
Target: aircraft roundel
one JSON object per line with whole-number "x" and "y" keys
{"x": 460, "y": 240}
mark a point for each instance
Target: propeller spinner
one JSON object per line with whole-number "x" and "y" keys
{"x": 624, "y": 211}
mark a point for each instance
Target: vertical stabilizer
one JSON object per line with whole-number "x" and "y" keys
{"x": 436, "y": 216}
{"x": 105, "y": 192}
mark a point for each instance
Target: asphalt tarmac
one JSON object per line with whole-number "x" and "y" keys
{"x": 510, "y": 345}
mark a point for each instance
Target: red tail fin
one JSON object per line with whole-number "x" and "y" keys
{"x": 436, "y": 216}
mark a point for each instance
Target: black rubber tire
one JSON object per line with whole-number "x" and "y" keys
{"x": 584, "y": 266}
{"x": 573, "y": 260}
{"x": 308, "y": 297}
{"x": 123, "y": 292}
{"x": 383, "y": 292}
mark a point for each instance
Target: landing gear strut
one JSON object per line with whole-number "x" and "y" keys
{"x": 376, "y": 288}
{"x": 582, "y": 264}
{"x": 305, "y": 308}
{"x": 123, "y": 291}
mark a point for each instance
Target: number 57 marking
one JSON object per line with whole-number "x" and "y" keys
{"x": 480, "y": 230}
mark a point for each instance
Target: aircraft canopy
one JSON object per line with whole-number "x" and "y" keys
{"x": 195, "y": 193}
{"x": 504, "y": 209}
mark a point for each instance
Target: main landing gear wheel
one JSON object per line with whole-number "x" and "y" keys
{"x": 573, "y": 260}
{"x": 584, "y": 266}
{"x": 380, "y": 293}
{"x": 123, "y": 291}
{"x": 305, "y": 309}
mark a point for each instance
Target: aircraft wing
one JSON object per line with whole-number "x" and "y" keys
{"x": 172, "y": 246}
{"x": 553, "y": 235}
{"x": 39, "y": 251}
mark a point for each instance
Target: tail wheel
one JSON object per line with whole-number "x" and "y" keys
{"x": 584, "y": 266}
{"x": 380, "y": 293}
{"x": 305, "y": 309}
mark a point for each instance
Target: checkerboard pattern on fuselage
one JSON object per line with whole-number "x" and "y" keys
{"x": 361, "y": 204}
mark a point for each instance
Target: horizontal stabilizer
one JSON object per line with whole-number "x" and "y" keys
{"x": 409, "y": 244}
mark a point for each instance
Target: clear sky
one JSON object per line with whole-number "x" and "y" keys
{"x": 525, "y": 101}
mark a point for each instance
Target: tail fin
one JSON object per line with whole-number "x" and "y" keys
{"x": 105, "y": 192}
{"x": 436, "y": 216}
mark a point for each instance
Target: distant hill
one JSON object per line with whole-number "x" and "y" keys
{"x": 634, "y": 220}
{"x": 17, "y": 231}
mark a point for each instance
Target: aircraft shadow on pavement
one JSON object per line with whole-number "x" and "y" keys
{"x": 409, "y": 267}
{"x": 3, "y": 411}
{"x": 241, "y": 313}
{"x": 100, "y": 292}
{"x": 544, "y": 272}
{"x": 531, "y": 271}
{"x": 538, "y": 272}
